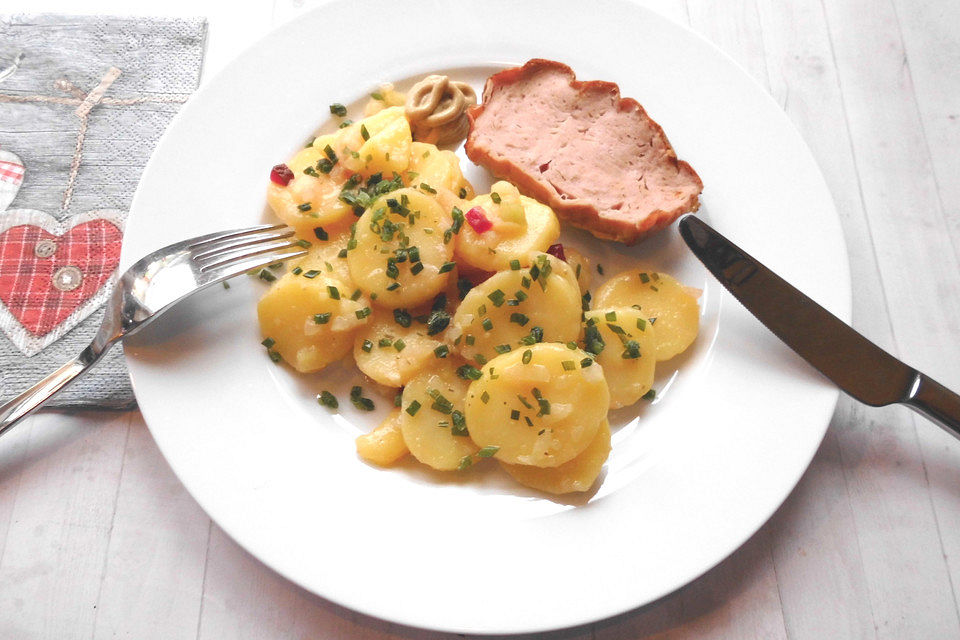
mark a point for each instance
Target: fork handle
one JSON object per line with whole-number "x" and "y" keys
{"x": 34, "y": 397}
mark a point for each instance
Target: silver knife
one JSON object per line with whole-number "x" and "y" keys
{"x": 853, "y": 363}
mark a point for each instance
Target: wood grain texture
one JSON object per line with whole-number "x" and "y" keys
{"x": 865, "y": 547}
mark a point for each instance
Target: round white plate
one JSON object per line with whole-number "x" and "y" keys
{"x": 691, "y": 477}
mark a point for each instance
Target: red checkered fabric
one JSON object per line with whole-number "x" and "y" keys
{"x": 11, "y": 172}
{"x": 27, "y": 279}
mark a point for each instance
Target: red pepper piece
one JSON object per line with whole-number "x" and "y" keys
{"x": 281, "y": 175}
{"x": 478, "y": 220}
{"x": 556, "y": 250}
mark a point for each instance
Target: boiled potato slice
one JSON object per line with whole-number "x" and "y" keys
{"x": 432, "y": 418}
{"x": 580, "y": 266}
{"x": 380, "y": 263}
{"x": 384, "y": 445}
{"x": 660, "y": 298}
{"x": 503, "y": 310}
{"x": 308, "y": 201}
{"x": 436, "y": 168}
{"x": 391, "y": 354}
{"x": 627, "y": 348}
{"x": 578, "y": 474}
{"x": 378, "y": 144}
{"x": 539, "y": 405}
{"x": 324, "y": 256}
{"x": 386, "y": 96}
{"x": 311, "y": 321}
{"x": 512, "y": 236}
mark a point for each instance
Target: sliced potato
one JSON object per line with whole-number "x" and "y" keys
{"x": 311, "y": 321}
{"x": 580, "y": 265}
{"x": 432, "y": 419}
{"x": 392, "y": 354}
{"x": 503, "y": 310}
{"x": 384, "y": 445}
{"x": 539, "y": 405}
{"x": 377, "y": 144}
{"x": 627, "y": 348}
{"x": 436, "y": 168}
{"x": 308, "y": 201}
{"x": 661, "y": 299}
{"x": 578, "y": 474}
{"x": 324, "y": 256}
{"x": 381, "y": 263}
{"x": 513, "y": 235}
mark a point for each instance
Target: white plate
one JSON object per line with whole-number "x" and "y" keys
{"x": 688, "y": 481}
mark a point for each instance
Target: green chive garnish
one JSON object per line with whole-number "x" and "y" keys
{"x": 413, "y": 407}
{"x": 469, "y": 372}
{"x": 321, "y": 233}
{"x": 495, "y": 197}
{"x": 321, "y": 318}
{"x": 649, "y": 395}
{"x": 515, "y": 265}
{"x": 327, "y": 399}
{"x": 519, "y": 319}
{"x": 488, "y": 451}
{"x": 268, "y": 342}
{"x": 442, "y": 351}
{"x": 527, "y": 356}
{"x": 367, "y": 346}
{"x": 338, "y": 109}
{"x": 447, "y": 266}
{"x": 569, "y": 365}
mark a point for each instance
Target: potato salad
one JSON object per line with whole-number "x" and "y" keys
{"x": 462, "y": 303}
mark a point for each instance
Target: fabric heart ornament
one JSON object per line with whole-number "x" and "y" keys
{"x": 52, "y": 274}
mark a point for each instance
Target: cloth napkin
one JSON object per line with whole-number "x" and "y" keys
{"x": 83, "y": 100}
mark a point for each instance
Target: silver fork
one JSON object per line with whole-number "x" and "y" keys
{"x": 153, "y": 285}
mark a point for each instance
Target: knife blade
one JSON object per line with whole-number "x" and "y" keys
{"x": 859, "y": 367}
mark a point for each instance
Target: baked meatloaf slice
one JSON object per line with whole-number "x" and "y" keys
{"x": 597, "y": 159}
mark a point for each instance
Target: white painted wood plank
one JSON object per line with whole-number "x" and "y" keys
{"x": 735, "y": 28}
{"x": 929, "y": 31}
{"x": 153, "y": 580}
{"x": 57, "y": 538}
{"x": 900, "y": 535}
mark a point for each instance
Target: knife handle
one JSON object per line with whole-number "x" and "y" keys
{"x": 934, "y": 401}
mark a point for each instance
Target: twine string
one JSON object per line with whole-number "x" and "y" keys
{"x": 85, "y": 102}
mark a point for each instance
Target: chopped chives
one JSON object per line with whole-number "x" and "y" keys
{"x": 488, "y": 451}
{"x": 519, "y": 319}
{"x": 569, "y": 365}
{"x": 610, "y": 316}
{"x": 413, "y": 407}
{"x": 525, "y": 282}
{"x": 437, "y": 322}
{"x": 520, "y": 295}
{"x": 330, "y": 153}
{"x": 649, "y": 395}
{"x": 402, "y": 317}
{"x": 427, "y": 188}
{"x": 641, "y": 324}
{"x": 514, "y": 414}
{"x": 462, "y": 193}
{"x": 384, "y": 342}
{"x": 276, "y": 357}
{"x": 497, "y": 297}
{"x": 342, "y": 254}
{"x": 334, "y": 292}
{"x": 524, "y": 402}
{"x": 327, "y": 399}
{"x": 465, "y": 463}
{"x": 416, "y": 268}
{"x": 321, "y": 233}
{"x": 321, "y": 318}
{"x": 266, "y": 275}
{"x": 599, "y": 268}
{"x": 502, "y": 348}
{"x": 631, "y": 351}
{"x": 268, "y": 342}
{"x": 470, "y": 339}
{"x": 338, "y": 109}
{"x": 447, "y": 266}
{"x": 398, "y": 399}
{"x": 644, "y": 278}
{"x": 482, "y": 310}
{"x": 393, "y": 286}
{"x": 480, "y": 359}
{"x": 527, "y": 356}
{"x": 356, "y": 295}
{"x": 363, "y": 313}
{"x": 399, "y": 344}
{"x": 459, "y": 424}
{"x": 442, "y": 351}
{"x": 571, "y": 345}
{"x": 296, "y": 271}
{"x": 367, "y": 346}
{"x": 530, "y": 424}
{"x": 306, "y": 206}
{"x": 586, "y": 362}
{"x": 364, "y": 132}
{"x": 485, "y": 397}
{"x": 487, "y": 324}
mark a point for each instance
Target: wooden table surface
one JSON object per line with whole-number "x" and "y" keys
{"x": 99, "y": 540}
